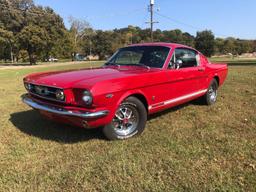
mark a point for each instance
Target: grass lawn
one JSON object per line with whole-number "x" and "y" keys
{"x": 189, "y": 148}
{"x": 235, "y": 61}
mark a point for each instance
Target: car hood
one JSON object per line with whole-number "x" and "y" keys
{"x": 69, "y": 79}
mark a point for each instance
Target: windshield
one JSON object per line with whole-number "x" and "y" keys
{"x": 148, "y": 56}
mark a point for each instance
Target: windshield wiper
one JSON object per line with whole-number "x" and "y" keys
{"x": 109, "y": 63}
{"x": 137, "y": 64}
{"x": 142, "y": 65}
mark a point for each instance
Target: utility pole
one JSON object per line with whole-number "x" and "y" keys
{"x": 152, "y": 22}
{"x": 90, "y": 56}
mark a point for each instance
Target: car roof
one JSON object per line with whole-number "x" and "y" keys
{"x": 171, "y": 45}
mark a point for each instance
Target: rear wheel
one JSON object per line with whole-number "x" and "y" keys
{"x": 211, "y": 95}
{"x": 129, "y": 120}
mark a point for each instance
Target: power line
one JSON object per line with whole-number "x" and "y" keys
{"x": 176, "y": 21}
{"x": 43, "y": 12}
{"x": 185, "y": 24}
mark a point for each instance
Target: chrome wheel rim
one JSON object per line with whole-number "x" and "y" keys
{"x": 212, "y": 93}
{"x": 126, "y": 120}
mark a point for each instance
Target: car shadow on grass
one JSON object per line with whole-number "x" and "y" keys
{"x": 32, "y": 123}
{"x": 176, "y": 108}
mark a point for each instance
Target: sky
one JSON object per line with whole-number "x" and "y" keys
{"x": 226, "y": 18}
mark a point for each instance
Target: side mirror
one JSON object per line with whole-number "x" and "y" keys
{"x": 178, "y": 63}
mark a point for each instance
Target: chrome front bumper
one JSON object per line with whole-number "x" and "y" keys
{"x": 61, "y": 111}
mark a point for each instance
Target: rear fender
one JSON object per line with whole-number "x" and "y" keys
{"x": 221, "y": 74}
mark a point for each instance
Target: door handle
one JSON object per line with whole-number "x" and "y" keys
{"x": 200, "y": 69}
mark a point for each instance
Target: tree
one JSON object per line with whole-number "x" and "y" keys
{"x": 102, "y": 43}
{"x": 144, "y": 35}
{"x": 54, "y": 27}
{"x": 86, "y": 41}
{"x": 35, "y": 32}
{"x": 230, "y": 46}
{"x": 219, "y": 46}
{"x": 13, "y": 13}
{"x": 204, "y": 42}
{"x": 244, "y": 46}
{"x": 188, "y": 39}
{"x": 34, "y": 40}
{"x": 79, "y": 29}
{"x": 12, "y": 20}
{"x": 254, "y": 46}
{"x": 22, "y": 17}
{"x": 7, "y": 41}
{"x": 63, "y": 46}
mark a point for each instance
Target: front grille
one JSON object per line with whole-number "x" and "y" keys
{"x": 44, "y": 92}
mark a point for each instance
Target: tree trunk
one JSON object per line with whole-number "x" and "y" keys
{"x": 11, "y": 54}
{"x": 32, "y": 59}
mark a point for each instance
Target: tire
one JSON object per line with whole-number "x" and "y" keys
{"x": 130, "y": 120}
{"x": 211, "y": 95}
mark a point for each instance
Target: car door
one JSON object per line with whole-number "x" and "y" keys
{"x": 185, "y": 73}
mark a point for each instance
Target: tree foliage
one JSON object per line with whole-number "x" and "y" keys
{"x": 204, "y": 42}
{"x": 29, "y": 31}
{"x": 34, "y": 40}
{"x": 78, "y": 30}
{"x": 6, "y": 43}
{"x": 35, "y": 29}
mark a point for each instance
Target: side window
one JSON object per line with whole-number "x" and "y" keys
{"x": 186, "y": 58}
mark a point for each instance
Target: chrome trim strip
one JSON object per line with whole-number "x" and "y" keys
{"x": 171, "y": 101}
{"x": 61, "y": 111}
{"x": 47, "y": 98}
{"x": 43, "y": 85}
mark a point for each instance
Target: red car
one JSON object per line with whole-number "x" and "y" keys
{"x": 135, "y": 82}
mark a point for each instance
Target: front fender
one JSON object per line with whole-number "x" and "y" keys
{"x": 120, "y": 99}
{"x": 130, "y": 93}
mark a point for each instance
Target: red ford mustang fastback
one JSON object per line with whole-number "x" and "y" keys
{"x": 136, "y": 81}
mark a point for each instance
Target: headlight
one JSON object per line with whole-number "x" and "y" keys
{"x": 87, "y": 97}
{"x": 60, "y": 95}
{"x": 28, "y": 86}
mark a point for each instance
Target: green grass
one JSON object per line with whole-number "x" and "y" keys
{"x": 189, "y": 148}
{"x": 60, "y": 61}
{"x": 235, "y": 61}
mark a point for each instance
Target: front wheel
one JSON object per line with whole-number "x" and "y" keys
{"x": 211, "y": 95}
{"x": 129, "y": 120}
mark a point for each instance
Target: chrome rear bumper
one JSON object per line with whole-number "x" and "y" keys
{"x": 62, "y": 111}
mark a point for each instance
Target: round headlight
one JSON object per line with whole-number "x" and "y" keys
{"x": 28, "y": 86}
{"x": 87, "y": 97}
{"x": 60, "y": 95}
